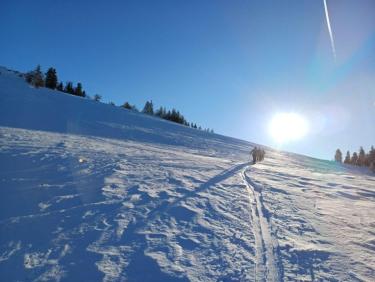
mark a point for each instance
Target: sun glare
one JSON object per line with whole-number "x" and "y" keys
{"x": 286, "y": 127}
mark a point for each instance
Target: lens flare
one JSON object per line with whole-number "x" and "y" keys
{"x": 286, "y": 127}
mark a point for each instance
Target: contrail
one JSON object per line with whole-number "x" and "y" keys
{"x": 329, "y": 29}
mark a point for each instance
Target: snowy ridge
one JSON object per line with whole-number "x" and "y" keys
{"x": 90, "y": 192}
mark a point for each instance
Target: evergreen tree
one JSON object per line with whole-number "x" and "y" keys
{"x": 38, "y": 77}
{"x": 78, "y": 91}
{"x": 361, "y": 157}
{"x": 51, "y": 78}
{"x": 97, "y": 97}
{"x": 161, "y": 112}
{"x": 60, "y": 87}
{"x": 347, "y": 158}
{"x": 338, "y": 156}
{"x": 126, "y": 105}
{"x": 354, "y": 159}
{"x": 35, "y": 77}
{"x": 148, "y": 108}
{"x": 372, "y": 155}
{"x": 372, "y": 166}
{"x": 69, "y": 88}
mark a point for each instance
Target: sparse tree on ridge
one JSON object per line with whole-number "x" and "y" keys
{"x": 338, "y": 156}
{"x": 354, "y": 159}
{"x": 60, "y": 87}
{"x": 126, "y": 105}
{"x": 371, "y": 156}
{"x": 78, "y": 91}
{"x": 347, "y": 158}
{"x": 35, "y": 77}
{"x": 97, "y": 97}
{"x": 361, "y": 157}
{"x": 69, "y": 88}
{"x": 161, "y": 112}
{"x": 148, "y": 108}
{"x": 371, "y": 159}
{"x": 51, "y": 78}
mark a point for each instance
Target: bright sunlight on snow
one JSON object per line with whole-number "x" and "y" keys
{"x": 93, "y": 192}
{"x": 285, "y": 127}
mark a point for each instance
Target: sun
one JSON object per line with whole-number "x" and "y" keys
{"x": 286, "y": 127}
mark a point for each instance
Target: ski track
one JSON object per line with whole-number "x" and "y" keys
{"x": 268, "y": 264}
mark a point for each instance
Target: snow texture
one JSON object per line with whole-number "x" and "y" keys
{"x": 91, "y": 192}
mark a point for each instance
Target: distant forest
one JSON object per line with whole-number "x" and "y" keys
{"x": 50, "y": 80}
{"x": 358, "y": 159}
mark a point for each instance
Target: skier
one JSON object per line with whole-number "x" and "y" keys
{"x": 262, "y": 153}
{"x": 254, "y": 153}
{"x": 257, "y": 154}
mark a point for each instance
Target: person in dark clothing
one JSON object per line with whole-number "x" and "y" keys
{"x": 254, "y": 153}
{"x": 257, "y": 154}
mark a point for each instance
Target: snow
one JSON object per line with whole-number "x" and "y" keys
{"x": 91, "y": 192}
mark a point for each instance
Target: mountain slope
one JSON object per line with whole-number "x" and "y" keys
{"x": 92, "y": 192}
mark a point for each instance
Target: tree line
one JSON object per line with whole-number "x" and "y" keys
{"x": 50, "y": 80}
{"x": 358, "y": 159}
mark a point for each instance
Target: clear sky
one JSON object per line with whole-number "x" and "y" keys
{"x": 227, "y": 65}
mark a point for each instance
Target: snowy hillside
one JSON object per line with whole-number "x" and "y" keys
{"x": 91, "y": 192}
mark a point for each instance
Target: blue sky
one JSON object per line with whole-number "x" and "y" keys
{"x": 227, "y": 65}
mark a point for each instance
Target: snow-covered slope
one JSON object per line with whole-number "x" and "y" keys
{"x": 91, "y": 192}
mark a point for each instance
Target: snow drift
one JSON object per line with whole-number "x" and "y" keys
{"x": 91, "y": 192}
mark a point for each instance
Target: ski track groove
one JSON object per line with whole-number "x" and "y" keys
{"x": 268, "y": 264}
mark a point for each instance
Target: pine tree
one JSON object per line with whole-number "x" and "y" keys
{"x": 354, "y": 159}
{"x": 126, "y": 105}
{"x": 35, "y": 77}
{"x": 60, "y": 87}
{"x": 161, "y": 112}
{"x": 78, "y": 90}
{"x": 372, "y": 154}
{"x": 148, "y": 108}
{"x": 69, "y": 88}
{"x": 347, "y": 158}
{"x": 97, "y": 97}
{"x": 38, "y": 77}
{"x": 338, "y": 156}
{"x": 51, "y": 78}
{"x": 361, "y": 157}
